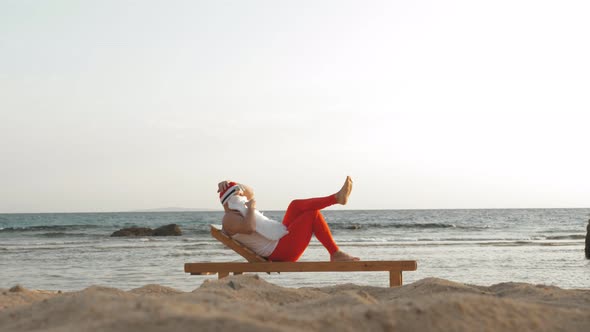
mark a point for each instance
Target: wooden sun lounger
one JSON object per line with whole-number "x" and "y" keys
{"x": 261, "y": 264}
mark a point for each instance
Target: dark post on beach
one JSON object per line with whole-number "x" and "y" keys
{"x": 588, "y": 240}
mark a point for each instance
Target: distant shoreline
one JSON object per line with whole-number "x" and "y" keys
{"x": 179, "y": 209}
{"x": 128, "y": 211}
{"x": 173, "y": 209}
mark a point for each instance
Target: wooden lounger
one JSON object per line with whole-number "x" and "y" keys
{"x": 260, "y": 264}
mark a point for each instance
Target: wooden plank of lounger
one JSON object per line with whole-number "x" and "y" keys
{"x": 240, "y": 249}
{"x": 394, "y": 268}
{"x": 302, "y": 266}
{"x": 395, "y": 278}
{"x": 248, "y": 254}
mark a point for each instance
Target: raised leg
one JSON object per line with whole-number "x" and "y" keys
{"x": 300, "y": 206}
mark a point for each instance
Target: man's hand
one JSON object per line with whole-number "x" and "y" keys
{"x": 222, "y": 186}
{"x": 251, "y": 204}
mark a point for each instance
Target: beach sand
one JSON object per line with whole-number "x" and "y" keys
{"x": 249, "y": 303}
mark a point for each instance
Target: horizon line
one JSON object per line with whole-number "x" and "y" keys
{"x": 163, "y": 210}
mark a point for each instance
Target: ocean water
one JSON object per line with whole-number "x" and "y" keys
{"x": 72, "y": 251}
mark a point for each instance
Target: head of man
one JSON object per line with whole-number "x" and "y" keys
{"x": 232, "y": 189}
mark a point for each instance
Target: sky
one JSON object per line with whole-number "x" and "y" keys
{"x": 126, "y": 105}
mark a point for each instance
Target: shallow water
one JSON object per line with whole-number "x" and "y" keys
{"x": 484, "y": 247}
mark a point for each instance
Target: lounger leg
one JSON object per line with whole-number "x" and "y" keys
{"x": 222, "y": 274}
{"x": 395, "y": 278}
{"x": 237, "y": 273}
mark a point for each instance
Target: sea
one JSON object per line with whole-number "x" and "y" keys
{"x": 72, "y": 251}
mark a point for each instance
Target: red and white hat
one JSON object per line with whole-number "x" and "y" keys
{"x": 231, "y": 190}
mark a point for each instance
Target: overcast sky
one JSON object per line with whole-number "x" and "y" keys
{"x": 124, "y": 105}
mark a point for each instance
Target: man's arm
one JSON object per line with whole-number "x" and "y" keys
{"x": 234, "y": 223}
{"x": 248, "y": 191}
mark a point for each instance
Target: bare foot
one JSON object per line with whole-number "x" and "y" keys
{"x": 342, "y": 195}
{"x": 341, "y": 256}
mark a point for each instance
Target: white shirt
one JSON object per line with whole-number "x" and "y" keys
{"x": 257, "y": 243}
{"x": 267, "y": 232}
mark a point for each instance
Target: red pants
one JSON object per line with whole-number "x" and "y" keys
{"x": 303, "y": 218}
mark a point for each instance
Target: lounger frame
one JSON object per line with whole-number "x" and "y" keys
{"x": 260, "y": 264}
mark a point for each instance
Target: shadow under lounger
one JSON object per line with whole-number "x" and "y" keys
{"x": 260, "y": 264}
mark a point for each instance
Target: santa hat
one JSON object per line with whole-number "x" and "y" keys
{"x": 231, "y": 190}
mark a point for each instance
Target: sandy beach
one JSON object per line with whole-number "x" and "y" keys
{"x": 249, "y": 303}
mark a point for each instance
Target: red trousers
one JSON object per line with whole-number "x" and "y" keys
{"x": 303, "y": 218}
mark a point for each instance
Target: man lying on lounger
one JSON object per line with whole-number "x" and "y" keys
{"x": 280, "y": 242}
